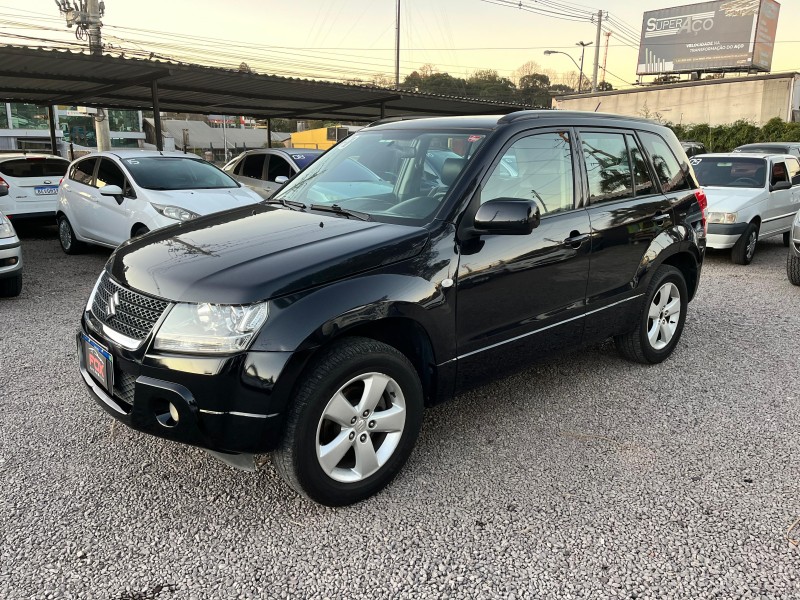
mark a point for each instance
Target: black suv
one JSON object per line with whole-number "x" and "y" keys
{"x": 318, "y": 324}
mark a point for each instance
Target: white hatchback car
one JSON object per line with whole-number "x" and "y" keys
{"x": 109, "y": 197}
{"x": 32, "y": 183}
{"x": 750, "y": 197}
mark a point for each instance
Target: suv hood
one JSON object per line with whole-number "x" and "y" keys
{"x": 204, "y": 202}
{"x": 257, "y": 253}
{"x": 726, "y": 199}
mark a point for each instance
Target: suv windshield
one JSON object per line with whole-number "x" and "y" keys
{"x": 176, "y": 173}
{"x": 398, "y": 175}
{"x": 730, "y": 171}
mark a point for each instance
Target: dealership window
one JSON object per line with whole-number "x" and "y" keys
{"x": 29, "y": 116}
{"x": 123, "y": 120}
{"x": 3, "y": 116}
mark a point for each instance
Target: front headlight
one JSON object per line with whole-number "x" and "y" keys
{"x": 174, "y": 212}
{"x": 210, "y": 328}
{"x": 6, "y": 228}
{"x": 721, "y": 217}
{"x": 90, "y": 301}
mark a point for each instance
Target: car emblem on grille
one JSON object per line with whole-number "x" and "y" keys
{"x": 112, "y": 305}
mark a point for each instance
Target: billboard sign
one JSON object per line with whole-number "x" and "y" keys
{"x": 730, "y": 35}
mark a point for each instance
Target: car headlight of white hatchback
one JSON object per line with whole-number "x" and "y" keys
{"x": 174, "y": 212}
{"x": 722, "y": 217}
{"x": 6, "y": 228}
{"x": 210, "y": 328}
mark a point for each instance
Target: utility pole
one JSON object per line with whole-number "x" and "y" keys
{"x": 580, "y": 76}
{"x": 86, "y": 15}
{"x": 397, "y": 49}
{"x": 605, "y": 56}
{"x": 597, "y": 50}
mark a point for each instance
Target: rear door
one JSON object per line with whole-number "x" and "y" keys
{"x": 627, "y": 211}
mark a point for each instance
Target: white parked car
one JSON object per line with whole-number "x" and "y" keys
{"x": 266, "y": 169}
{"x": 10, "y": 255}
{"x": 32, "y": 184}
{"x": 750, "y": 197}
{"x": 109, "y": 197}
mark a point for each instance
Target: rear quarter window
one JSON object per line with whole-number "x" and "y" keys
{"x": 667, "y": 166}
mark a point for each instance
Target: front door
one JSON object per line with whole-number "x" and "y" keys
{"x": 521, "y": 297}
{"x": 782, "y": 204}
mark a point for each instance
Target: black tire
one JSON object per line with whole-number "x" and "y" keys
{"x": 793, "y": 268}
{"x": 140, "y": 231}
{"x": 296, "y": 459}
{"x": 636, "y": 345}
{"x": 787, "y": 238}
{"x": 11, "y": 287}
{"x": 745, "y": 247}
{"x": 66, "y": 236}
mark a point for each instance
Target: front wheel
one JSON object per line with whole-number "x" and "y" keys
{"x": 11, "y": 287}
{"x": 660, "y": 324}
{"x": 352, "y": 424}
{"x": 745, "y": 247}
{"x": 66, "y": 236}
{"x": 793, "y": 268}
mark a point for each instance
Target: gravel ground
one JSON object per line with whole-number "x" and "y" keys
{"x": 587, "y": 478}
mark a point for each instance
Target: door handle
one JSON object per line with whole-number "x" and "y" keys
{"x": 575, "y": 239}
{"x": 660, "y": 218}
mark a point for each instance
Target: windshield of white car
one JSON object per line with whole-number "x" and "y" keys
{"x": 391, "y": 175}
{"x": 738, "y": 172}
{"x": 176, "y": 173}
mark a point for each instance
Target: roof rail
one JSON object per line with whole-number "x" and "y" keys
{"x": 522, "y": 115}
{"x": 395, "y": 119}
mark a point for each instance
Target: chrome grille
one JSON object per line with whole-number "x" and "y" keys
{"x": 135, "y": 314}
{"x": 124, "y": 387}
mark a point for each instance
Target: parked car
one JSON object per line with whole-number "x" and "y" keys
{"x": 693, "y": 148}
{"x": 792, "y": 148}
{"x": 32, "y": 184}
{"x": 317, "y": 325}
{"x": 793, "y": 259}
{"x": 750, "y": 197}
{"x": 109, "y": 197}
{"x": 266, "y": 169}
{"x": 10, "y": 256}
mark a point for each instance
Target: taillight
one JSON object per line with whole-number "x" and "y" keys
{"x": 703, "y": 202}
{"x": 60, "y": 181}
{"x": 4, "y": 182}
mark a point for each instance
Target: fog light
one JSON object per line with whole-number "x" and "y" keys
{"x": 173, "y": 412}
{"x": 9, "y": 262}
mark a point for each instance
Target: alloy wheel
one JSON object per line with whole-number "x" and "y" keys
{"x": 663, "y": 316}
{"x": 65, "y": 234}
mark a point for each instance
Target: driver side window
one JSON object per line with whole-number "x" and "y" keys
{"x": 536, "y": 167}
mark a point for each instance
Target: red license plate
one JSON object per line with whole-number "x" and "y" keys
{"x": 99, "y": 362}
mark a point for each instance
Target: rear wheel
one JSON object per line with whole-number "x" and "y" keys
{"x": 352, "y": 424}
{"x": 11, "y": 287}
{"x": 745, "y": 247}
{"x": 660, "y": 324}
{"x": 793, "y": 268}
{"x": 66, "y": 235}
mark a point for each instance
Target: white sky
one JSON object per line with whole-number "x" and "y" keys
{"x": 355, "y": 38}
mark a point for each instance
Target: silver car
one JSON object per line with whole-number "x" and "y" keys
{"x": 10, "y": 256}
{"x": 266, "y": 169}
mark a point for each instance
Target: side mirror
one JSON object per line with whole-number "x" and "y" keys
{"x": 781, "y": 185}
{"x": 507, "y": 216}
{"x": 111, "y": 190}
{"x": 3, "y": 190}
{"x": 281, "y": 179}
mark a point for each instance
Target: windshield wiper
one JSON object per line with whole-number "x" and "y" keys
{"x": 335, "y": 208}
{"x": 287, "y": 203}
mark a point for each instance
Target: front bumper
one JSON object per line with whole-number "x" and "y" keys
{"x": 10, "y": 257}
{"x": 721, "y": 236}
{"x": 223, "y": 404}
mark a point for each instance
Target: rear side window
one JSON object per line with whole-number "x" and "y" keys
{"x": 34, "y": 167}
{"x": 668, "y": 169}
{"x": 607, "y": 166}
{"x": 253, "y": 166}
{"x": 83, "y": 171}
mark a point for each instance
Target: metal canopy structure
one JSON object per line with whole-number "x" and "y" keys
{"x": 48, "y": 77}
